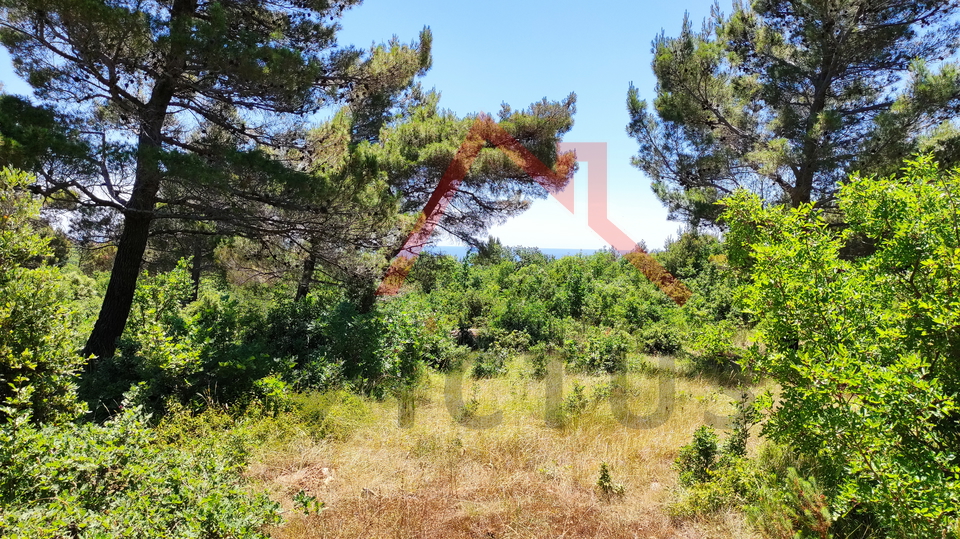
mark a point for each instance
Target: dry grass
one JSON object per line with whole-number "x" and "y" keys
{"x": 521, "y": 478}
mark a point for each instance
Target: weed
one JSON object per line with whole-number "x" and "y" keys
{"x": 307, "y": 503}
{"x": 608, "y": 489}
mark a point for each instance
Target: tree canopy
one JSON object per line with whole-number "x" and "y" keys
{"x": 186, "y": 101}
{"x": 788, "y": 98}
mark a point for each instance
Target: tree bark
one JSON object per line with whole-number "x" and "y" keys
{"x": 196, "y": 267}
{"x": 138, "y": 214}
{"x": 306, "y": 278}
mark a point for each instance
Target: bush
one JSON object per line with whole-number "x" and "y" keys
{"x": 602, "y": 351}
{"x": 865, "y": 349}
{"x": 796, "y": 508}
{"x": 698, "y": 460}
{"x": 711, "y": 347}
{"x": 660, "y": 338}
{"x": 713, "y": 475}
{"x": 540, "y": 356}
{"x": 490, "y": 363}
{"x": 212, "y": 350}
{"x": 120, "y": 480}
{"x": 38, "y": 359}
{"x": 526, "y": 316}
{"x": 608, "y": 489}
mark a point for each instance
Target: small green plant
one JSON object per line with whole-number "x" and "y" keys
{"x": 698, "y": 460}
{"x": 540, "y": 357}
{"x": 798, "y": 508}
{"x": 712, "y": 474}
{"x": 490, "y": 363}
{"x": 470, "y": 407}
{"x": 307, "y": 503}
{"x": 576, "y": 402}
{"x": 608, "y": 489}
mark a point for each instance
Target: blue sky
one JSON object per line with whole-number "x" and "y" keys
{"x": 518, "y": 52}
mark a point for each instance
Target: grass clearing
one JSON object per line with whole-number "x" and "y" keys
{"x": 520, "y": 478}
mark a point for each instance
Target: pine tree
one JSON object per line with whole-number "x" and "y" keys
{"x": 381, "y": 161}
{"x": 786, "y": 98}
{"x": 184, "y": 102}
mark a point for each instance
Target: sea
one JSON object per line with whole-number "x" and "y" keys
{"x": 460, "y": 251}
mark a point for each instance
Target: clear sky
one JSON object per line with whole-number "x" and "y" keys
{"x": 520, "y": 51}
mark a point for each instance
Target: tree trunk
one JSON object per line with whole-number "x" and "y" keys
{"x": 306, "y": 279}
{"x": 133, "y": 242}
{"x": 123, "y": 282}
{"x": 139, "y": 211}
{"x": 196, "y": 266}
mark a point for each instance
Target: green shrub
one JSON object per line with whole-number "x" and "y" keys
{"x": 698, "y": 460}
{"x": 608, "y": 489}
{"x": 796, "y": 508}
{"x": 121, "y": 480}
{"x": 711, "y": 347}
{"x": 661, "y": 337}
{"x": 602, "y": 350}
{"x": 524, "y": 315}
{"x": 540, "y": 356}
{"x": 729, "y": 486}
{"x": 38, "y": 358}
{"x": 490, "y": 363}
{"x": 865, "y": 350}
{"x": 715, "y": 474}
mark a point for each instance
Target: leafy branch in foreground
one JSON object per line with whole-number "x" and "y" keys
{"x": 865, "y": 350}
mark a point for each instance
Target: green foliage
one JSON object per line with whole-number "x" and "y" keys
{"x": 864, "y": 349}
{"x": 662, "y": 337}
{"x": 307, "y": 503}
{"x": 576, "y": 402}
{"x": 191, "y": 353}
{"x": 788, "y": 98}
{"x": 697, "y": 460}
{"x": 38, "y": 360}
{"x": 608, "y": 489}
{"x": 540, "y": 356}
{"x": 122, "y": 480}
{"x": 490, "y": 363}
{"x": 711, "y": 347}
{"x": 602, "y": 351}
{"x": 31, "y": 135}
{"x": 379, "y": 351}
{"x": 714, "y": 475}
{"x": 797, "y": 509}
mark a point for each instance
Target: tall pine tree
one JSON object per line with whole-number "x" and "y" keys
{"x": 786, "y": 98}
{"x": 180, "y": 99}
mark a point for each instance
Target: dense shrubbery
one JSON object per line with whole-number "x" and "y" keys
{"x": 865, "y": 353}
{"x": 38, "y": 362}
{"x": 122, "y": 480}
{"x": 597, "y": 308}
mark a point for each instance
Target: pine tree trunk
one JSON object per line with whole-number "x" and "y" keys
{"x": 139, "y": 210}
{"x": 306, "y": 278}
{"x": 196, "y": 266}
{"x": 133, "y": 242}
{"x": 123, "y": 282}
